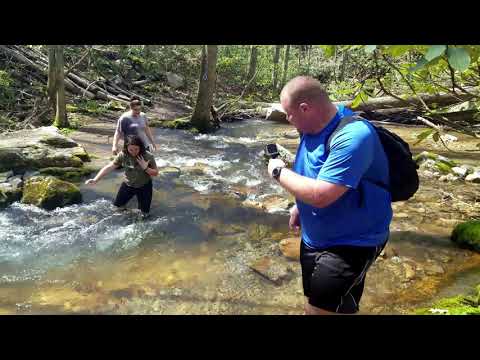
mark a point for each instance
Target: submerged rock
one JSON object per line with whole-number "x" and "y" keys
{"x": 168, "y": 172}
{"x": 50, "y": 193}
{"x": 271, "y": 270}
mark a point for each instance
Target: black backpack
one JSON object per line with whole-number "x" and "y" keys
{"x": 402, "y": 168}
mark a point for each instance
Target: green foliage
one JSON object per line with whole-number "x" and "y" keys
{"x": 6, "y": 92}
{"x": 435, "y": 51}
{"x": 423, "y": 135}
{"x": 458, "y": 58}
{"x": 92, "y": 107}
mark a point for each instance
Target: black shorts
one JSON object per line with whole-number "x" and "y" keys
{"x": 144, "y": 196}
{"x": 333, "y": 278}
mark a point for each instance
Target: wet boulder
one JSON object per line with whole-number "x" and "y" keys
{"x": 39, "y": 148}
{"x": 9, "y": 194}
{"x": 49, "y": 192}
{"x": 467, "y": 235}
{"x": 168, "y": 172}
{"x": 276, "y": 113}
{"x": 473, "y": 178}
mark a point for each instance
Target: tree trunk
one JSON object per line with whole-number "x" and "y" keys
{"x": 202, "y": 117}
{"x": 388, "y": 102}
{"x": 285, "y": 65}
{"x": 52, "y": 78}
{"x": 276, "y": 58}
{"x": 61, "y": 120}
{"x": 252, "y": 68}
{"x": 309, "y": 51}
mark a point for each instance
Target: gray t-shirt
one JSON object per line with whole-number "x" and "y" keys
{"x": 133, "y": 125}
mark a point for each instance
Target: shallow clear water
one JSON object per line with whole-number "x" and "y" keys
{"x": 194, "y": 254}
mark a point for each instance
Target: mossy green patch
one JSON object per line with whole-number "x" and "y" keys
{"x": 50, "y": 192}
{"x": 467, "y": 235}
{"x": 458, "y": 305}
{"x": 68, "y": 173}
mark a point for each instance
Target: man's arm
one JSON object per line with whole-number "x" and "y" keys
{"x": 317, "y": 193}
{"x": 350, "y": 156}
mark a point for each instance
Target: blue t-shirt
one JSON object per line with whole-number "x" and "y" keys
{"x": 362, "y": 215}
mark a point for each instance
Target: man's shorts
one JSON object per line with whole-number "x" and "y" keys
{"x": 333, "y": 278}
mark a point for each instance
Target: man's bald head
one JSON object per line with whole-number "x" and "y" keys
{"x": 304, "y": 89}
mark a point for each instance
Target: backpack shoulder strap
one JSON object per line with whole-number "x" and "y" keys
{"x": 346, "y": 120}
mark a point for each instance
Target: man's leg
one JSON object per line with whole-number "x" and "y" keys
{"x": 313, "y": 310}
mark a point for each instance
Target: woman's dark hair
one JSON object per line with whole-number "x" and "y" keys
{"x": 135, "y": 101}
{"x": 134, "y": 140}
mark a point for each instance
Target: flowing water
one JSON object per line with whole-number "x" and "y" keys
{"x": 194, "y": 255}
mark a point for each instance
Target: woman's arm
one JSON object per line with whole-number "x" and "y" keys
{"x": 104, "y": 171}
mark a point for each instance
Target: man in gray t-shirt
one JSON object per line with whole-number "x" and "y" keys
{"x": 134, "y": 122}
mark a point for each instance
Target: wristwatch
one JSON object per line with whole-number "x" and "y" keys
{"x": 276, "y": 172}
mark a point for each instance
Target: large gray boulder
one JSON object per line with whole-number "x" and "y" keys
{"x": 39, "y": 148}
{"x": 175, "y": 81}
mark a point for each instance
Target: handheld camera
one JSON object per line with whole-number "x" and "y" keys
{"x": 271, "y": 151}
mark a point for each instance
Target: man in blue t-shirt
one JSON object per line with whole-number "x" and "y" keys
{"x": 343, "y": 211}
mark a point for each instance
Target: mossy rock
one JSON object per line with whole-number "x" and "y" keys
{"x": 68, "y": 173}
{"x": 169, "y": 172}
{"x": 458, "y": 305}
{"x": 181, "y": 123}
{"x": 72, "y": 108}
{"x": 443, "y": 167}
{"x": 81, "y": 154}
{"x": 59, "y": 141}
{"x": 50, "y": 192}
{"x": 467, "y": 235}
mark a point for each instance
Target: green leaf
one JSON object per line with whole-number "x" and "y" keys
{"x": 329, "y": 50}
{"x": 423, "y": 135}
{"x": 436, "y": 136}
{"x": 435, "y": 51}
{"x": 397, "y": 50}
{"x": 420, "y": 64}
{"x": 458, "y": 58}
{"x": 361, "y": 97}
{"x": 370, "y": 48}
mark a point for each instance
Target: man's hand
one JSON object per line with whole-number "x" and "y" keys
{"x": 274, "y": 163}
{"x": 154, "y": 147}
{"x": 114, "y": 150}
{"x": 294, "y": 222}
{"x": 91, "y": 182}
{"x": 141, "y": 161}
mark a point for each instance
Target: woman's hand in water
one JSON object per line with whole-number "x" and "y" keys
{"x": 91, "y": 182}
{"x": 141, "y": 161}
